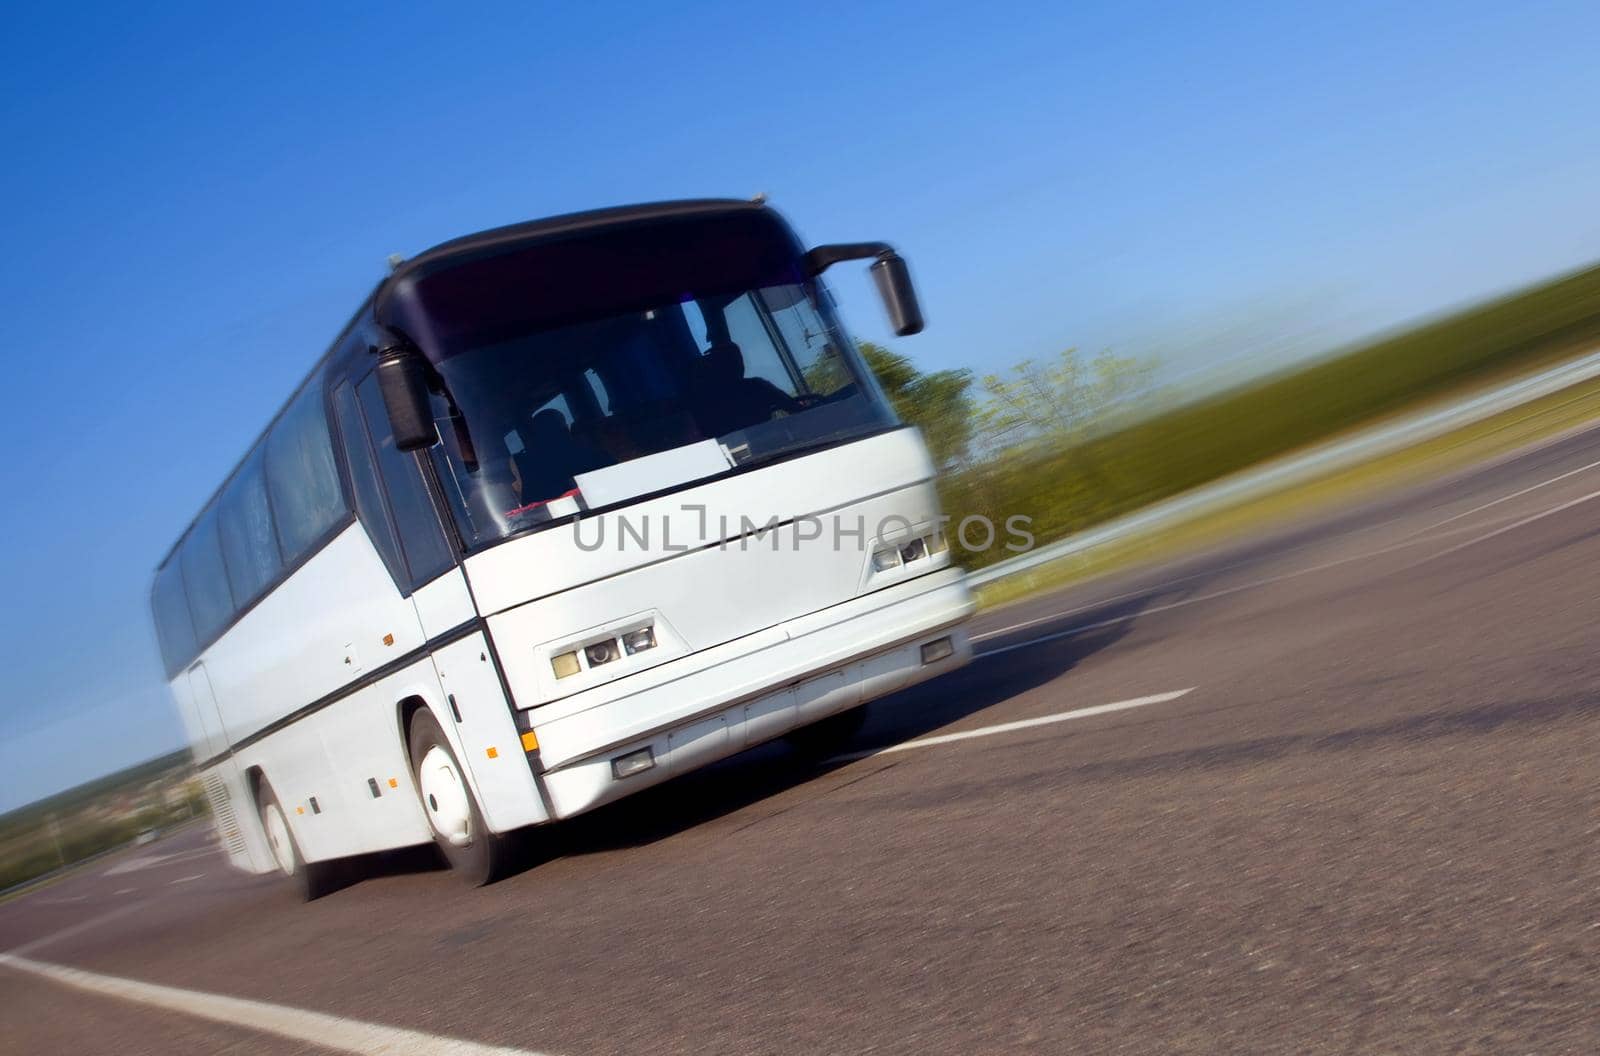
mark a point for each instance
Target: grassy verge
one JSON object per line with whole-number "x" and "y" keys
{"x": 1499, "y": 434}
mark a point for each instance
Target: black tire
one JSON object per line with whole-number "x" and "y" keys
{"x": 308, "y": 880}
{"x": 826, "y": 736}
{"x": 483, "y": 859}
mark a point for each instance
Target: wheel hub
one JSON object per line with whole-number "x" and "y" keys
{"x": 445, "y": 796}
{"x": 278, "y": 838}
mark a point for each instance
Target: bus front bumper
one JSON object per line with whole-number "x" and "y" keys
{"x": 816, "y": 665}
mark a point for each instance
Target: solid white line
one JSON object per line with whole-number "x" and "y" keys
{"x": 312, "y": 1028}
{"x": 1012, "y": 727}
{"x": 186, "y": 879}
{"x": 1508, "y": 498}
{"x": 1513, "y": 525}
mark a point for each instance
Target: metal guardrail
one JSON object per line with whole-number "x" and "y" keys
{"x": 1294, "y": 469}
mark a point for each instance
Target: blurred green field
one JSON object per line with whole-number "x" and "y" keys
{"x": 98, "y": 816}
{"x": 1101, "y": 473}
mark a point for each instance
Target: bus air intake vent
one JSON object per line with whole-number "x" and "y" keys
{"x": 222, "y": 813}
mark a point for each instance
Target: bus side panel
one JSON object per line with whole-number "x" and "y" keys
{"x": 378, "y": 805}
{"x": 487, "y": 736}
{"x": 298, "y": 771}
{"x": 332, "y": 770}
{"x": 344, "y": 777}
{"x": 338, "y": 617}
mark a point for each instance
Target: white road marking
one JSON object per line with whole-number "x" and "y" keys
{"x": 1251, "y": 585}
{"x": 133, "y": 865}
{"x": 312, "y": 1028}
{"x": 1552, "y": 511}
{"x": 186, "y": 879}
{"x": 1224, "y": 592}
{"x": 1012, "y": 727}
{"x": 125, "y": 890}
{"x": 1508, "y": 498}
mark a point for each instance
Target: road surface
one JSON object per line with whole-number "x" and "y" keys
{"x": 1348, "y": 801}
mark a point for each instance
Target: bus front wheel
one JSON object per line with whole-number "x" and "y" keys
{"x": 474, "y": 853}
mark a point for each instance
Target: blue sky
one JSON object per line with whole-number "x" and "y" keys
{"x": 196, "y": 201}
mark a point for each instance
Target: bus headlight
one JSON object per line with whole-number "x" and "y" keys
{"x": 601, "y": 652}
{"x": 639, "y": 640}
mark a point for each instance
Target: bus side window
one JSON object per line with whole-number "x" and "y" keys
{"x": 422, "y": 540}
{"x": 370, "y": 508}
{"x": 302, "y": 481}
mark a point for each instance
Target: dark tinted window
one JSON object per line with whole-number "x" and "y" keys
{"x": 205, "y": 579}
{"x": 248, "y": 541}
{"x": 301, "y": 476}
{"x": 364, "y": 477}
{"x": 171, "y": 609}
{"x": 421, "y": 538}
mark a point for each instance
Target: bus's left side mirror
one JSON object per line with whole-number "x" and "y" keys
{"x": 403, "y": 380}
{"x": 889, "y": 271}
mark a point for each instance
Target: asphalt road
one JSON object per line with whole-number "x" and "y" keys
{"x": 1369, "y": 826}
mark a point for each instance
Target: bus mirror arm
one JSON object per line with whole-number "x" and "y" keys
{"x": 403, "y": 380}
{"x": 889, "y": 273}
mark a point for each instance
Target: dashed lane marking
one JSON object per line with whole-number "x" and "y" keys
{"x": 1541, "y": 515}
{"x": 1507, "y": 498}
{"x": 1012, "y": 727}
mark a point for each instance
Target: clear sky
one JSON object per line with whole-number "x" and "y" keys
{"x": 197, "y": 201}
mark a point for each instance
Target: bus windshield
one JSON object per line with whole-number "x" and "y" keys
{"x": 723, "y": 356}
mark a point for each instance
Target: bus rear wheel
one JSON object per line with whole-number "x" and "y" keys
{"x": 310, "y": 879}
{"x": 475, "y": 854}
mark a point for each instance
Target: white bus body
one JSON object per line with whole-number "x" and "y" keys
{"x": 341, "y": 601}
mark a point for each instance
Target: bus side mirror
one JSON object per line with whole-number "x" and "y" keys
{"x": 889, "y": 272}
{"x": 403, "y": 380}
{"x": 893, "y": 278}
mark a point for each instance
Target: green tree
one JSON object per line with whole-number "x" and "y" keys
{"x": 1057, "y": 402}
{"x": 940, "y": 403}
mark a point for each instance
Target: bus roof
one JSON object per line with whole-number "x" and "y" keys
{"x": 466, "y": 246}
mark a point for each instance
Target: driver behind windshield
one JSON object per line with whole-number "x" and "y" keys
{"x": 725, "y": 400}
{"x": 551, "y": 457}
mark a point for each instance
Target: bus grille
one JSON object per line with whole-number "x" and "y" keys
{"x": 222, "y": 814}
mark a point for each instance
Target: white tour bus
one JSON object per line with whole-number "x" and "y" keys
{"x": 569, "y": 508}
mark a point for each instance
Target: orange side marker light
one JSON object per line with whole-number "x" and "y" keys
{"x": 493, "y": 752}
{"x": 530, "y": 742}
